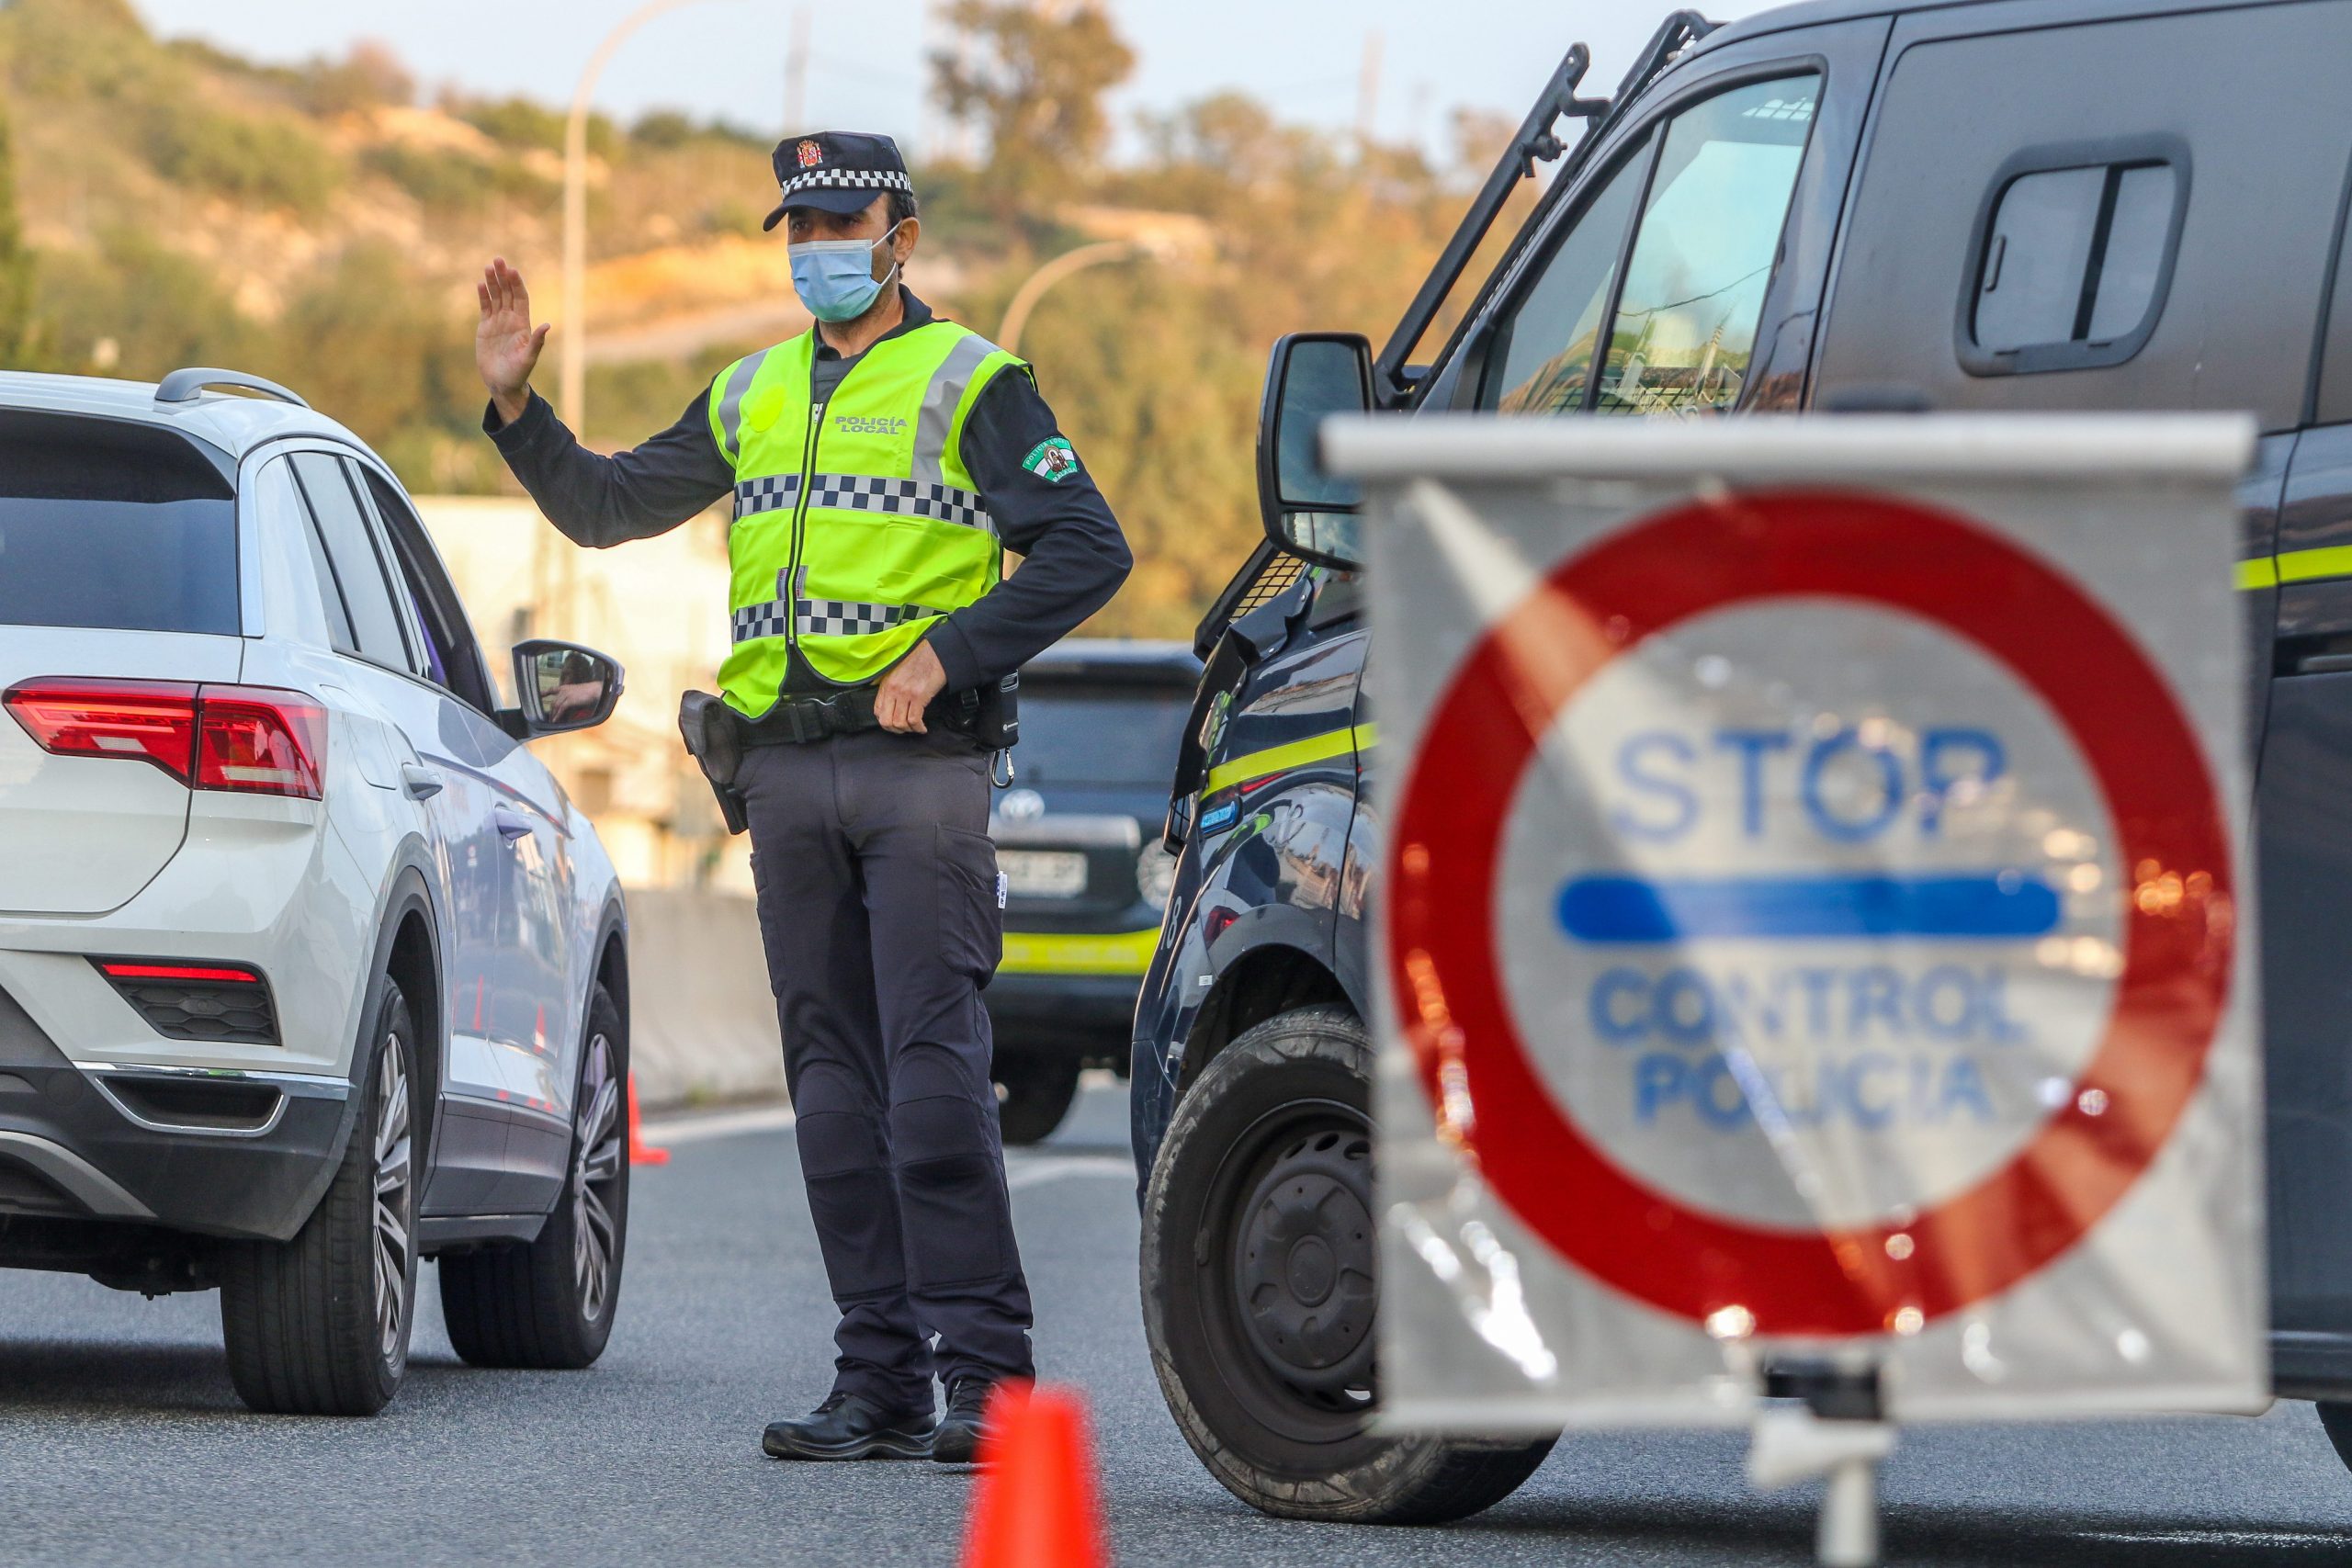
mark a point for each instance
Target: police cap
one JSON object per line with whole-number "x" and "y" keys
{"x": 836, "y": 171}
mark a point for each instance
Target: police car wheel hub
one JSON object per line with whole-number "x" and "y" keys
{"x": 1304, "y": 1265}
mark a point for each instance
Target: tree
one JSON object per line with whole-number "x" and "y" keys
{"x": 16, "y": 264}
{"x": 1031, "y": 78}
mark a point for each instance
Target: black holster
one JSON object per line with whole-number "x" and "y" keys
{"x": 989, "y": 715}
{"x": 715, "y": 737}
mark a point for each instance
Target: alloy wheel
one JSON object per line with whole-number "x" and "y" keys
{"x": 395, "y": 1202}
{"x": 597, "y": 1160}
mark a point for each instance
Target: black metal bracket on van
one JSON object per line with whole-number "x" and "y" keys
{"x": 1536, "y": 143}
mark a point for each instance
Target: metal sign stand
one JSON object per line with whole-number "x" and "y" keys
{"x": 1842, "y": 1434}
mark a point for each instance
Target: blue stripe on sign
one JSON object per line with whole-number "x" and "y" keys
{"x": 1618, "y": 909}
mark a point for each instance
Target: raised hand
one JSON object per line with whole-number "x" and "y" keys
{"x": 507, "y": 345}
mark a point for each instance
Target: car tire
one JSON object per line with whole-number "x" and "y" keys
{"x": 1034, "y": 1093}
{"x": 1275, "y": 1401}
{"x": 550, "y": 1303}
{"x": 320, "y": 1325}
{"x": 2336, "y": 1419}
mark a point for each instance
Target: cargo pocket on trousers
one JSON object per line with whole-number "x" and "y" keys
{"x": 971, "y": 934}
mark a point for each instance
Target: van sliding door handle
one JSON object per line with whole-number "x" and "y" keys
{"x": 422, "y": 783}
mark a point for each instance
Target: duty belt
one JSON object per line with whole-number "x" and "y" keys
{"x": 796, "y": 721}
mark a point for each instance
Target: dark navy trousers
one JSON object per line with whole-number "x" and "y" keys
{"x": 877, "y": 900}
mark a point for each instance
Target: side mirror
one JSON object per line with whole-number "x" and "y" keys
{"x": 1307, "y": 512}
{"x": 561, "y": 687}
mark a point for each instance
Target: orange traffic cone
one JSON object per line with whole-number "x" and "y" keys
{"x": 639, "y": 1152}
{"x": 1036, "y": 1504}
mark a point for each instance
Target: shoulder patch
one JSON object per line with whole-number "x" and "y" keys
{"x": 1052, "y": 459}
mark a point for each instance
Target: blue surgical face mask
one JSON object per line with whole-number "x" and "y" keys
{"x": 835, "y": 277}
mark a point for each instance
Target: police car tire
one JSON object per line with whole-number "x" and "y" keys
{"x": 1038, "y": 1089}
{"x": 2336, "y": 1419}
{"x": 518, "y": 1304}
{"x": 1316, "y": 1055}
{"x": 300, "y": 1317}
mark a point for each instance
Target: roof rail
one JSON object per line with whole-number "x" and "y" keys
{"x": 186, "y": 385}
{"x": 1536, "y": 143}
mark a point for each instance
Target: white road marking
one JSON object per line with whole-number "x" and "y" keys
{"x": 1022, "y": 1173}
{"x": 1022, "y": 1168}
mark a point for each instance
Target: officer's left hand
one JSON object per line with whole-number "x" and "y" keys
{"x": 906, "y": 691}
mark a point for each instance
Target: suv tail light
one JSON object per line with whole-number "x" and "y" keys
{"x": 248, "y": 739}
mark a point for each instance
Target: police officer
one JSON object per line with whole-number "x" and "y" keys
{"x": 880, "y": 463}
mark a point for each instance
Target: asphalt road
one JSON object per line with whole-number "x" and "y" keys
{"x": 120, "y": 1441}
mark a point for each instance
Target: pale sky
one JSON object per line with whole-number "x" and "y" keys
{"x": 726, "y": 57}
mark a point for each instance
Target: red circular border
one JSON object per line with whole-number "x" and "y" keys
{"x": 1445, "y": 857}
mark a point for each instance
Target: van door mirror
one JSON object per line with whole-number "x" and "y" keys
{"x": 1307, "y": 512}
{"x": 561, "y": 687}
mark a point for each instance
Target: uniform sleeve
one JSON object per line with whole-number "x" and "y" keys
{"x": 1047, "y": 507}
{"x": 600, "y": 501}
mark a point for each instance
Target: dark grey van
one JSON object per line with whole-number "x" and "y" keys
{"x": 1843, "y": 205}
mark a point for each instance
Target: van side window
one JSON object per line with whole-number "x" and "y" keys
{"x": 1711, "y": 232}
{"x": 1544, "y": 350}
{"x": 1674, "y": 334}
{"x": 2336, "y": 363}
{"x": 2071, "y": 265}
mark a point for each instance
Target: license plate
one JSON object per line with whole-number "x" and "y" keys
{"x": 1043, "y": 874}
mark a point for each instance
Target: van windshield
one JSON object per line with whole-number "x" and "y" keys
{"x": 113, "y": 526}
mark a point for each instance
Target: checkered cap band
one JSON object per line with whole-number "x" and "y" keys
{"x": 846, "y": 179}
{"x": 859, "y": 492}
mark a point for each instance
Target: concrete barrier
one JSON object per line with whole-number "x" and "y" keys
{"x": 702, "y": 1020}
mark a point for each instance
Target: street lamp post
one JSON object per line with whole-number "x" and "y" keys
{"x": 573, "y": 392}
{"x": 1025, "y": 297}
{"x": 551, "y": 570}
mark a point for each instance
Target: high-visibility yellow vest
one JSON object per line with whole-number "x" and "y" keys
{"x": 856, "y": 523}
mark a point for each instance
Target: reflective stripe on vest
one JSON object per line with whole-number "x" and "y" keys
{"x": 856, "y": 523}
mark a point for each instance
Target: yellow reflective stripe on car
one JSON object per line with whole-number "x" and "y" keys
{"x": 2296, "y": 566}
{"x": 1064, "y": 953}
{"x": 1297, "y": 754}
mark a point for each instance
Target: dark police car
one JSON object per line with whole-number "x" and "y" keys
{"x": 1078, "y": 836}
{"x": 1843, "y": 205}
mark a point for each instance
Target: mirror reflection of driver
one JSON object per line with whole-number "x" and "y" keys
{"x": 578, "y": 689}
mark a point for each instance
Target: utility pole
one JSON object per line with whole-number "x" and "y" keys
{"x": 795, "y": 76}
{"x": 1368, "y": 93}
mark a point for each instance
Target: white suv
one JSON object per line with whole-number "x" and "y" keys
{"x": 308, "y": 969}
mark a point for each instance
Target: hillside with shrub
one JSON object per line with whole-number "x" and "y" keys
{"x": 322, "y": 224}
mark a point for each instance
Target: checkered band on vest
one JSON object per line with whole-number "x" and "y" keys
{"x": 857, "y": 493}
{"x": 865, "y": 179}
{"x": 824, "y": 617}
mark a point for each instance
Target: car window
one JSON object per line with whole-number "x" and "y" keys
{"x": 359, "y": 571}
{"x": 452, "y": 653}
{"x": 113, "y": 526}
{"x": 297, "y": 586}
{"x": 1544, "y": 344}
{"x": 1685, "y": 323}
{"x": 1098, "y": 733}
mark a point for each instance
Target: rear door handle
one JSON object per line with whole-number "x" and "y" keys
{"x": 422, "y": 783}
{"x": 512, "y": 824}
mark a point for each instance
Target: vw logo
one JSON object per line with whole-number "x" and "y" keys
{"x": 1020, "y": 805}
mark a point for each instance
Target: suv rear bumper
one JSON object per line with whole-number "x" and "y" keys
{"x": 125, "y": 1144}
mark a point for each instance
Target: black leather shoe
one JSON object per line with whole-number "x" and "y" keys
{"x": 850, "y": 1426}
{"x": 957, "y": 1441}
